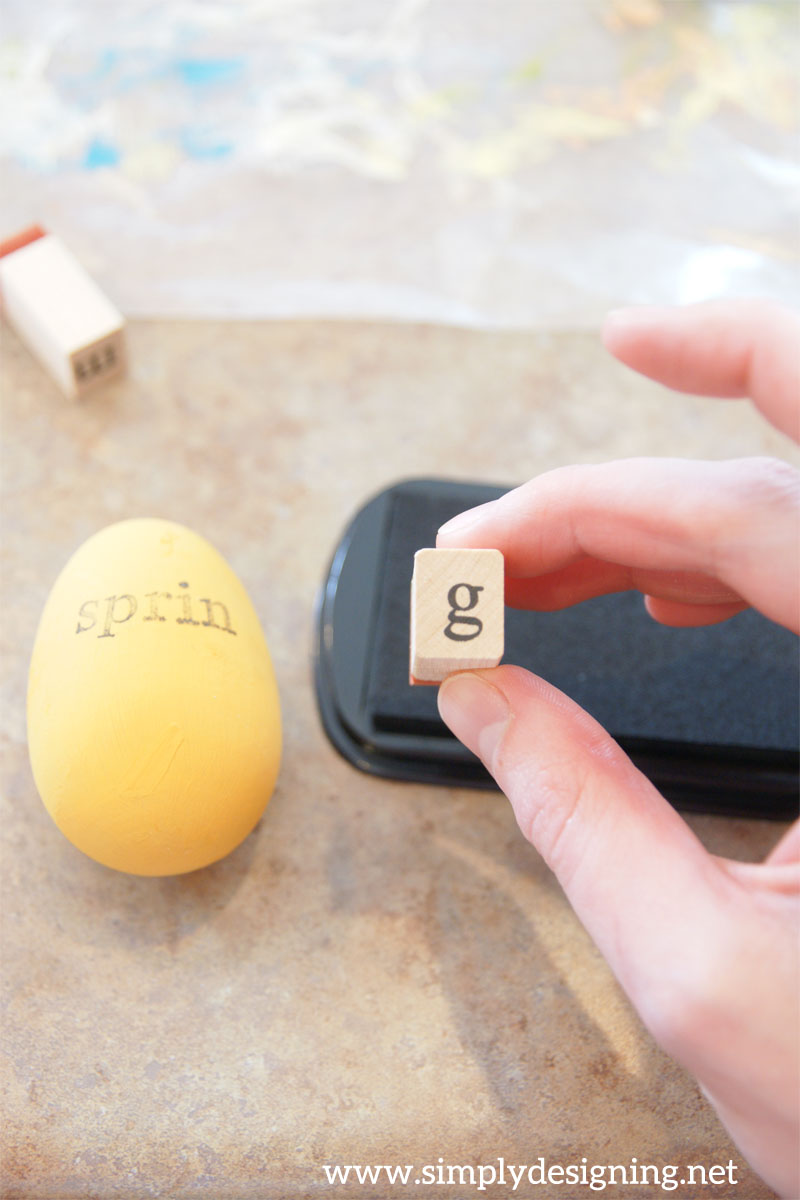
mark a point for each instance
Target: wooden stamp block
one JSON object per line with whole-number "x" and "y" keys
{"x": 72, "y": 328}
{"x": 457, "y": 610}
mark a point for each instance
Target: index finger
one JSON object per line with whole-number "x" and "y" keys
{"x": 718, "y": 348}
{"x": 735, "y": 521}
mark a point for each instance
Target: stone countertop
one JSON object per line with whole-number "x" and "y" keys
{"x": 382, "y": 972}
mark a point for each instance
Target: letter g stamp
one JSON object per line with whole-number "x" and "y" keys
{"x": 457, "y": 611}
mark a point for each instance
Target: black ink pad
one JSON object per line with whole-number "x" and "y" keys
{"x": 710, "y": 714}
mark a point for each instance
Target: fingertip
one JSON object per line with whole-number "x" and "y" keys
{"x": 680, "y": 615}
{"x": 621, "y": 324}
{"x": 476, "y": 711}
{"x": 725, "y": 348}
{"x": 614, "y": 328}
{"x": 452, "y": 532}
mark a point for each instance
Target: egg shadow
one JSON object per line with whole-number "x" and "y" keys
{"x": 106, "y": 908}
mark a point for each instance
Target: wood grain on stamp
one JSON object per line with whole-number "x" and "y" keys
{"x": 457, "y": 610}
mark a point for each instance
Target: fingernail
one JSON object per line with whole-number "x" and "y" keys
{"x": 465, "y": 520}
{"x": 476, "y": 711}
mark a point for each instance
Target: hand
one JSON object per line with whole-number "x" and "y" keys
{"x": 707, "y": 949}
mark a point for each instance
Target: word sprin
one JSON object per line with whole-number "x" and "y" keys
{"x": 111, "y": 611}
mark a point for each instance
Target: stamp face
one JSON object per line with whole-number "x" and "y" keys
{"x": 457, "y": 610}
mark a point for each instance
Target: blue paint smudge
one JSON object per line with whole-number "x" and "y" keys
{"x": 201, "y": 72}
{"x": 99, "y": 154}
{"x": 202, "y": 144}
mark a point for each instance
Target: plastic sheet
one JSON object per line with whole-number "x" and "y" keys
{"x": 506, "y": 164}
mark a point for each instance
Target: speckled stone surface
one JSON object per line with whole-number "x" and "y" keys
{"x": 381, "y": 973}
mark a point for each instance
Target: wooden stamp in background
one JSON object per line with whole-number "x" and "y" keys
{"x": 457, "y": 610}
{"x": 60, "y": 312}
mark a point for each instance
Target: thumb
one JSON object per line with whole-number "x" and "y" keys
{"x": 635, "y": 874}
{"x": 709, "y": 962}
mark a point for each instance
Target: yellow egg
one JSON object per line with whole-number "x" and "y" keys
{"x": 153, "y": 714}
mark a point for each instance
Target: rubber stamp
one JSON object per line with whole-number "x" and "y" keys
{"x": 59, "y": 311}
{"x": 457, "y": 610}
